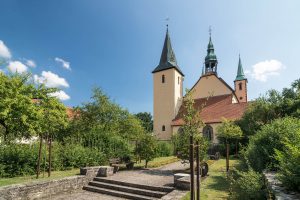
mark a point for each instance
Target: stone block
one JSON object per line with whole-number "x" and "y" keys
{"x": 105, "y": 171}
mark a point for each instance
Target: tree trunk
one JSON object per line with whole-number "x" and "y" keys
{"x": 45, "y": 156}
{"x": 146, "y": 165}
{"x": 192, "y": 197}
{"x": 227, "y": 157}
{"x": 49, "y": 160}
{"x": 39, "y": 158}
{"x": 236, "y": 149}
{"x": 198, "y": 172}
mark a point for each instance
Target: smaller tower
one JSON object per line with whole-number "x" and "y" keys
{"x": 240, "y": 83}
{"x": 211, "y": 61}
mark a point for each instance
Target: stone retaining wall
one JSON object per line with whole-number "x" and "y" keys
{"x": 43, "y": 189}
{"x": 277, "y": 189}
{"x": 49, "y": 188}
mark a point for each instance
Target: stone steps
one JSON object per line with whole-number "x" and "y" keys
{"x": 117, "y": 193}
{"x": 126, "y": 190}
{"x": 135, "y": 185}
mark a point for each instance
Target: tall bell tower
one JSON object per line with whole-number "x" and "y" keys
{"x": 167, "y": 91}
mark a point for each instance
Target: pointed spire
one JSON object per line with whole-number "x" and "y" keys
{"x": 240, "y": 72}
{"x": 211, "y": 61}
{"x": 167, "y": 59}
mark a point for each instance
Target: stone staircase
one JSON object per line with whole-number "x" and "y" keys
{"x": 126, "y": 190}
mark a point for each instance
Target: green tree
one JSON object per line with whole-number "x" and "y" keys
{"x": 146, "y": 119}
{"x": 289, "y": 162}
{"x": 273, "y": 105}
{"x": 147, "y": 148}
{"x": 260, "y": 153}
{"x": 191, "y": 127}
{"x": 54, "y": 120}
{"x": 18, "y": 114}
{"x": 228, "y": 131}
{"x": 106, "y": 126}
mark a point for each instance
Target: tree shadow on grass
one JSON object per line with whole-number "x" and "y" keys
{"x": 218, "y": 183}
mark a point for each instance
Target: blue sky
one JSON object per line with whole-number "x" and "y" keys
{"x": 80, "y": 44}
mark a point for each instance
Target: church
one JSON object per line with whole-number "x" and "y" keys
{"x": 217, "y": 98}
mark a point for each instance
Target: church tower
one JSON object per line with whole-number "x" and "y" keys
{"x": 240, "y": 83}
{"x": 167, "y": 91}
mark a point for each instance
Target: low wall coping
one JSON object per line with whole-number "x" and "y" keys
{"x": 279, "y": 191}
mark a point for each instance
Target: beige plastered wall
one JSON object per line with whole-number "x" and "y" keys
{"x": 167, "y": 101}
{"x": 213, "y": 125}
{"x": 209, "y": 86}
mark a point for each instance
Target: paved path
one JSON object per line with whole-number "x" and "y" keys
{"x": 161, "y": 176}
{"x": 84, "y": 195}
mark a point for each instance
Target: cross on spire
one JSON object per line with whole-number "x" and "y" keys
{"x": 209, "y": 30}
{"x": 167, "y": 21}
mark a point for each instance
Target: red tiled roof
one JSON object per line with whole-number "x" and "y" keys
{"x": 216, "y": 108}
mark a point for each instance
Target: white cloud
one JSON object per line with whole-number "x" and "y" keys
{"x": 263, "y": 70}
{"x": 61, "y": 95}
{"x": 50, "y": 79}
{"x": 4, "y": 51}
{"x": 17, "y": 66}
{"x": 30, "y": 63}
{"x": 65, "y": 64}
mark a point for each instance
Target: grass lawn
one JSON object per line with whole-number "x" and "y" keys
{"x": 157, "y": 162}
{"x": 215, "y": 186}
{"x": 26, "y": 179}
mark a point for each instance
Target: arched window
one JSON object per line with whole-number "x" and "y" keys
{"x": 163, "y": 128}
{"x": 163, "y": 79}
{"x": 180, "y": 130}
{"x": 240, "y": 86}
{"x": 208, "y": 132}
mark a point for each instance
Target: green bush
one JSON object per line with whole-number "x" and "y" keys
{"x": 21, "y": 159}
{"x": 260, "y": 153}
{"x": 18, "y": 159}
{"x": 247, "y": 185}
{"x": 164, "y": 149}
{"x": 289, "y": 163}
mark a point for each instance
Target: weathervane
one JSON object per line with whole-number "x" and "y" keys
{"x": 209, "y": 30}
{"x": 167, "y": 20}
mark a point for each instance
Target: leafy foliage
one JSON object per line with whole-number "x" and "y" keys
{"x": 289, "y": 162}
{"x": 191, "y": 127}
{"x": 260, "y": 152}
{"x": 20, "y": 159}
{"x": 272, "y": 106}
{"x": 228, "y": 130}
{"x": 247, "y": 186}
{"x": 147, "y": 148}
{"x": 164, "y": 149}
{"x": 18, "y": 114}
{"x": 146, "y": 119}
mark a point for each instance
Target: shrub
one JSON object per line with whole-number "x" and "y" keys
{"x": 21, "y": 159}
{"x": 289, "y": 163}
{"x": 18, "y": 159}
{"x": 147, "y": 148}
{"x": 260, "y": 153}
{"x": 247, "y": 185}
{"x": 164, "y": 149}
